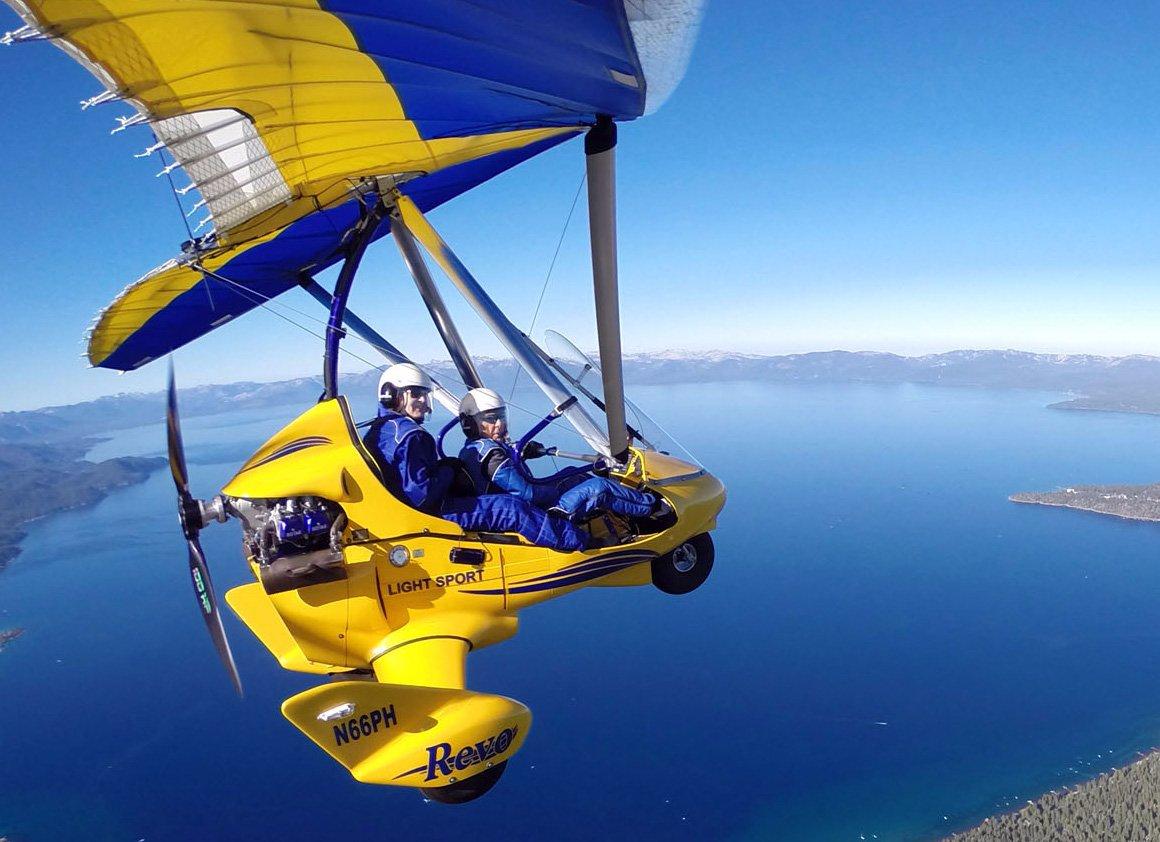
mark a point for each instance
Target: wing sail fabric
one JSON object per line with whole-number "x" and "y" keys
{"x": 176, "y": 303}
{"x": 275, "y": 108}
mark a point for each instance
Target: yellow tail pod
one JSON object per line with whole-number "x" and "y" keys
{"x": 409, "y": 736}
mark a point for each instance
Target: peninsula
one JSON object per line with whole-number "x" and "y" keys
{"x": 1133, "y": 502}
{"x": 9, "y": 635}
{"x": 1120, "y": 804}
{"x": 41, "y": 479}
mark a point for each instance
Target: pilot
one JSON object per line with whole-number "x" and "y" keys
{"x": 407, "y": 455}
{"x": 490, "y": 460}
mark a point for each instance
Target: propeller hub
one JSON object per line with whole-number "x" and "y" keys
{"x": 213, "y": 510}
{"x": 188, "y": 514}
{"x": 194, "y": 515}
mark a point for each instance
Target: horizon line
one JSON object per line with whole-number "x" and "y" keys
{"x": 683, "y": 354}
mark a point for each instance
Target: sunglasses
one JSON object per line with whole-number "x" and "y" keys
{"x": 416, "y": 392}
{"x": 493, "y": 415}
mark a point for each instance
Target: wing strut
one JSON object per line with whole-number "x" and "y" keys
{"x": 375, "y": 339}
{"x": 435, "y": 306}
{"x": 600, "y": 156}
{"x": 517, "y": 344}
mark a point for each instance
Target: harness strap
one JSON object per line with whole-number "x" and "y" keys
{"x": 495, "y": 457}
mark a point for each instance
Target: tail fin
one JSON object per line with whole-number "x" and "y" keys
{"x": 409, "y": 736}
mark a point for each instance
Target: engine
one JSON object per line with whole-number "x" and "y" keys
{"x": 299, "y": 525}
{"x": 296, "y": 541}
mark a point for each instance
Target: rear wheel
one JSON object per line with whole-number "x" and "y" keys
{"x": 685, "y": 568}
{"x": 468, "y": 790}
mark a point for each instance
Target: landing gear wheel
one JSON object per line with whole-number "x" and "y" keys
{"x": 468, "y": 790}
{"x": 686, "y": 567}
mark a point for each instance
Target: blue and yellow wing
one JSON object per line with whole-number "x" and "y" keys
{"x": 275, "y": 109}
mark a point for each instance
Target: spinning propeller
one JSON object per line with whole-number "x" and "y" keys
{"x": 194, "y": 514}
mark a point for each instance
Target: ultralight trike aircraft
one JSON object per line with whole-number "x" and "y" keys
{"x": 310, "y": 128}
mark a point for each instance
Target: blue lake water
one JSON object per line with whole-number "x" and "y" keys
{"x": 885, "y": 641}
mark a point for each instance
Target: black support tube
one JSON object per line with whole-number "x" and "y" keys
{"x": 361, "y": 236}
{"x": 375, "y": 339}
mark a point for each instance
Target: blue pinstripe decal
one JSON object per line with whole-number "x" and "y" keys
{"x": 287, "y": 449}
{"x": 411, "y": 771}
{"x": 591, "y": 564}
{"x": 573, "y": 574}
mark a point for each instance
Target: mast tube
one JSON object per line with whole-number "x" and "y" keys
{"x": 504, "y": 330}
{"x": 435, "y": 306}
{"x": 375, "y": 339}
{"x": 600, "y": 157}
{"x": 364, "y": 231}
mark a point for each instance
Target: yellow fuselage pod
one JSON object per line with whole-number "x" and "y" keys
{"x": 407, "y": 578}
{"x": 401, "y": 735}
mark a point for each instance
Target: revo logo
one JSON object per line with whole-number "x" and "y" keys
{"x": 441, "y": 763}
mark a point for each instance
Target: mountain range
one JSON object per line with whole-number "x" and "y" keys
{"x": 43, "y": 468}
{"x": 1123, "y": 384}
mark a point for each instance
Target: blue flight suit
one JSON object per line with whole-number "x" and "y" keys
{"x": 493, "y": 469}
{"x": 406, "y": 453}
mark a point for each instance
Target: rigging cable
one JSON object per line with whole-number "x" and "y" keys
{"x": 548, "y": 277}
{"x": 266, "y": 302}
{"x": 173, "y": 187}
{"x": 165, "y": 168}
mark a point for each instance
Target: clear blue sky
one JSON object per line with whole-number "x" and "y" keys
{"x": 909, "y": 177}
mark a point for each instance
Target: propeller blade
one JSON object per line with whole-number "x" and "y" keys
{"x": 176, "y": 448}
{"x": 203, "y": 589}
{"x": 189, "y": 513}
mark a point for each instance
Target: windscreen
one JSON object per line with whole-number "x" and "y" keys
{"x": 583, "y": 375}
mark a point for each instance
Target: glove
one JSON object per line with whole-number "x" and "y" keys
{"x": 533, "y": 450}
{"x": 601, "y": 467}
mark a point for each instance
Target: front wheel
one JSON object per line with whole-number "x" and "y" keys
{"x": 468, "y": 790}
{"x": 685, "y": 568}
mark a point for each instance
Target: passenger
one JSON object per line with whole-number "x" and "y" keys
{"x": 406, "y": 453}
{"x": 489, "y": 458}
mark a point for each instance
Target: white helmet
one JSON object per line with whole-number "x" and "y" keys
{"x": 480, "y": 400}
{"x": 398, "y": 377}
{"x": 477, "y": 402}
